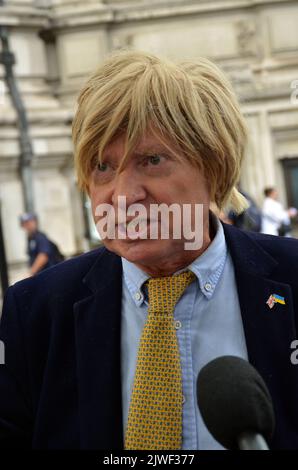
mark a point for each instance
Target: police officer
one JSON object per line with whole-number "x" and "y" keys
{"x": 43, "y": 253}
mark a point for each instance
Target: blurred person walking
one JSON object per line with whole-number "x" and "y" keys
{"x": 249, "y": 219}
{"x": 276, "y": 219}
{"x": 43, "y": 252}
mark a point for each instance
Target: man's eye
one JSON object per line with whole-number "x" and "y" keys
{"x": 102, "y": 167}
{"x": 154, "y": 159}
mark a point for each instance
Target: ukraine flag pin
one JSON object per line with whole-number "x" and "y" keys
{"x": 275, "y": 299}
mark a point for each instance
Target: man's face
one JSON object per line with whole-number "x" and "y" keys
{"x": 152, "y": 175}
{"x": 30, "y": 226}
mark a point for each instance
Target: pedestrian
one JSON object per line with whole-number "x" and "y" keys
{"x": 42, "y": 252}
{"x": 250, "y": 218}
{"x": 276, "y": 219}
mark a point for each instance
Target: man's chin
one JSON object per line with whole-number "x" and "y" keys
{"x": 138, "y": 251}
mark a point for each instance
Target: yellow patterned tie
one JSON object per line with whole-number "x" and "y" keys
{"x": 155, "y": 413}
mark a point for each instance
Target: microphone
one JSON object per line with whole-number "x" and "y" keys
{"x": 235, "y": 404}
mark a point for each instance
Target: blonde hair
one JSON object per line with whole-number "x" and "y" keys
{"x": 191, "y": 102}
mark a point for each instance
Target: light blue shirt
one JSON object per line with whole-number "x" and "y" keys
{"x": 208, "y": 324}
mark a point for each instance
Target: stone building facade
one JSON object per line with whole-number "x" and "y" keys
{"x": 57, "y": 43}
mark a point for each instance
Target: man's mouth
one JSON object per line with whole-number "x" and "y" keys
{"x": 134, "y": 226}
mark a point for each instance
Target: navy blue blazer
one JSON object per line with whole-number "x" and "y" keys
{"x": 61, "y": 384}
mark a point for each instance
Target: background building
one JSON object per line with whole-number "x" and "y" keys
{"x": 57, "y": 43}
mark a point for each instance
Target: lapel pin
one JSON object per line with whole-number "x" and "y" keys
{"x": 275, "y": 299}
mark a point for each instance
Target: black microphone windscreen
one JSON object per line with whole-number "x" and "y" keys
{"x": 234, "y": 399}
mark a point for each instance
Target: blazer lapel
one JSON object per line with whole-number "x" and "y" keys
{"x": 97, "y": 326}
{"x": 268, "y": 331}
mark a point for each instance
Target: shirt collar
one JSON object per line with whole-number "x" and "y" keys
{"x": 134, "y": 278}
{"x": 207, "y": 267}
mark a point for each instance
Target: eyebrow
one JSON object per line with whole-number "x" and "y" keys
{"x": 140, "y": 151}
{"x": 148, "y": 150}
{"x": 155, "y": 147}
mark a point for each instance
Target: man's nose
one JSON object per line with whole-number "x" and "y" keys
{"x": 129, "y": 184}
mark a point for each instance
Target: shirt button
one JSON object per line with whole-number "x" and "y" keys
{"x": 178, "y": 325}
{"x": 208, "y": 287}
{"x": 138, "y": 296}
{"x": 183, "y": 399}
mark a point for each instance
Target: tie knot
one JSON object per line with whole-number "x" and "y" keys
{"x": 164, "y": 292}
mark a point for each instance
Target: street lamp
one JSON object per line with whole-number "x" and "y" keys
{"x": 7, "y": 59}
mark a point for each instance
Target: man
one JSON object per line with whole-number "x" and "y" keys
{"x": 103, "y": 351}
{"x": 43, "y": 253}
{"x": 274, "y": 215}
